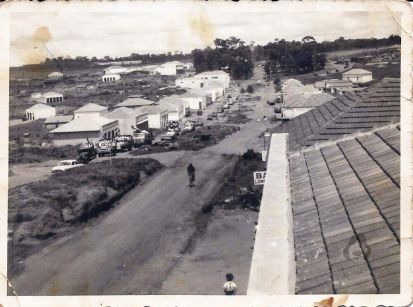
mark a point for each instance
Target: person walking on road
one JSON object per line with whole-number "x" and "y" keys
{"x": 191, "y": 174}
{"x": 230, "y": 287}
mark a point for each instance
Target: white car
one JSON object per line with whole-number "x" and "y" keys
{"x": 65, "y": 165}
{"x": 189, "y": 126}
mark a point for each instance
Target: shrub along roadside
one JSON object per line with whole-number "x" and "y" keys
{"x": 40, "y": 210}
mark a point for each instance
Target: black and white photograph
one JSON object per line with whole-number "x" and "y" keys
{"x": 211, "y": 149}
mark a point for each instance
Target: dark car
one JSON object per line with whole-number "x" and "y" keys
{"x": 209, "y": 117}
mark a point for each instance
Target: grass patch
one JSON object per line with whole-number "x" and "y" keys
{"x": 37, "y": 154}
{"x": 40, "y": 210}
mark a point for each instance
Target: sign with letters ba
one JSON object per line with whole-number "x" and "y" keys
{"x": 259, "y": 178}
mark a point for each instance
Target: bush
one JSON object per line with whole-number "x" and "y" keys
{"x": 207, "y": 208}
{"x": 250, "y": 89}
{"x": 250, "y": 154}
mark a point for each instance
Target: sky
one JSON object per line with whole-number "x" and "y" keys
{"x": 172, "y": 27}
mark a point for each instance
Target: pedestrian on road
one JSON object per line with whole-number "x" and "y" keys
{"x": 230, "y": 287}
{"x": 191, "y": 174}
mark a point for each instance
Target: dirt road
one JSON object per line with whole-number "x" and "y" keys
{"x": 156, "y": 236}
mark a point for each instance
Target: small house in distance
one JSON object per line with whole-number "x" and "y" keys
{"x": 129, "y": 119}
{"x": 79, "y": 129}
{"x": 116, "y": 70}
{"x": 50, "y": 98}
{"x": 90, "y": 109}
{"x": 40, "y": 111}
{"x": 358, "y": 76}
{"x": 299, "y": 98}
{"x": 157, "y": 116}
{"x": 134, "y": 102}
{"x": 110, "y": 78}
{"x": 334, "y": 86}
{"x": 53, "y": 122}
{"x": 170, "y": 68}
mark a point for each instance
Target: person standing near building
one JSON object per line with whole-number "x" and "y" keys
{"x": 191, "y": 174}
{"x": 230, "y": 287}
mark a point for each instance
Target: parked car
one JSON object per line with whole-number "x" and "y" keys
{"x": 199, "y": 122}
{"x": 106, "y": 147}
{"x": 168, "y": 137}
{"x": 226, "y": 106}
{"x": 209, "y": 117}
{"x": 65, "y": 165}
{"x": 142, "y": 137}
{"x": 199, "y": 113}
{"x": 214, "y": 114}
{"x": 189, "y": 126}
{"x": 124, "y": 142}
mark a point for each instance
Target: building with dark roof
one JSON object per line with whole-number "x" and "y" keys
{"x": 344, "y": 196}
{"x": 346, "y": 215}
{"x": 347, "y": 114}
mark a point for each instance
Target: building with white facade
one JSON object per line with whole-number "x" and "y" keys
{"x": 358, "y": 76}
{"x": 82, "y": 128}
{"x": 157, "y": 116}
{"x": 176, "y": 106}
{"x": 128, "y": 119}
{"x": 40, "y": 111}
{"x": 170, "y": 68}
{"x": 190, "y": 82}
{"x": 215, "y": 75}
{"x": 90, "y": 109}
{"x": 110, "y": 78}
{"x": 50, "y": 98}
{"x": 196, "y": 99}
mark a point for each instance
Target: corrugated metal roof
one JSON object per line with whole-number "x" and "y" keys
{"x": 84, "y": 123}
{"x": 90, "y": 107}
{"x": 346, "y": 216}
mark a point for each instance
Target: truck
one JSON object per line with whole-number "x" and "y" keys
{"x": 142, "y": 137}
{"x": 220, "y": 108}
{"x": 124, "y": 142}
{"x": 106, "y": 147}
{"x": 86, "y": 152}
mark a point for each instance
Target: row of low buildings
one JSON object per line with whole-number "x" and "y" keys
{"x": 94, "y": 121}
{"x": 351, "y": 81}
{"x": 173, "y": 68}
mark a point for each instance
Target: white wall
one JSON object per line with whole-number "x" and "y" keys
{"x": 192, "y": 83}
{"x": 358, "y": 79}
{"x": 195, "y": 103}
{"x": 157, "y": 121}
{"x": 40, "y": 114}
{"x": 167, "y": 70}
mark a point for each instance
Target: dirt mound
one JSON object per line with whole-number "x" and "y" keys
{"x": 40, "y": 210}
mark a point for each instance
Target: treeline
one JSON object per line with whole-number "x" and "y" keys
{"x": 145, "y": 58}
{"x": 231, "y": 55}
{"x": 307, "y": 55}
{"x": 290, "y": 57}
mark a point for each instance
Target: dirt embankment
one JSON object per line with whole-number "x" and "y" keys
{"x": 40, "y": 210}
